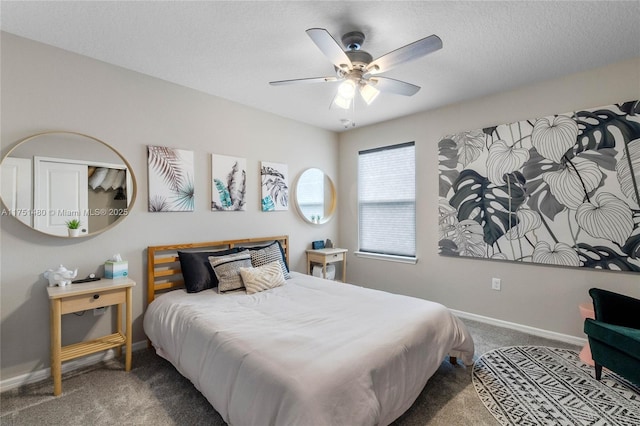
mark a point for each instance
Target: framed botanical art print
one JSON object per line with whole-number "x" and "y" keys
{"x": 275, "y": 186}
{"x": 171, "y": 187}
{"x": 229, "y": 183}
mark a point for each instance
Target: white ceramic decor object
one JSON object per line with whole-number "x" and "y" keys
{"x": 61, "y": 276}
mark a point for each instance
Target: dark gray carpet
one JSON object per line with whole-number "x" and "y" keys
{"x": 154, "y": 393}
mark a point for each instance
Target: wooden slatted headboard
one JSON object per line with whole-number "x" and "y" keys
{"x": 163, "y": 263}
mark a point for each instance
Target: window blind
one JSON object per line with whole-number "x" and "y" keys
{"x": 387, "y": 200}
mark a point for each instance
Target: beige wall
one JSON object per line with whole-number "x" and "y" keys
{"x": 44, "y": 88}
{"x": 537, "y": 296}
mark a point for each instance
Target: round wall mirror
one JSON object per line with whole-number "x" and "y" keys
{"x": 315, "y": 196}
{"x": 52, "y": 181}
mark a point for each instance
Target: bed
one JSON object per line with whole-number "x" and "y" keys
{"x": 308, "y": 352}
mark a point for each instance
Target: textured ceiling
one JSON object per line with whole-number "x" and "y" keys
{"x": 233, "y": 49}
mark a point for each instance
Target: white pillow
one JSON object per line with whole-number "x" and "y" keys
{"x": 119, "y": 180}
{"x": 263, "y": 277}
{"x": 108, "y": 179}
{"x": 97, "y": 177}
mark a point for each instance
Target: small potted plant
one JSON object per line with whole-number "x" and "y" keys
{"x": 73, "y": 227}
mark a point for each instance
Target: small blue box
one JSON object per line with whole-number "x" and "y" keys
{"x": 116, "y": 269}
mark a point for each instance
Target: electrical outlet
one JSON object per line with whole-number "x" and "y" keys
{"x": 99, "y": 311}
{"x": 495, "y": 283}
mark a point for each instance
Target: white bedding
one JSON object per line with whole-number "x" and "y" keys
{"x": 311, "y": 352}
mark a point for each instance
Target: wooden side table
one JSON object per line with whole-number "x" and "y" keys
{"x": 327, "y": 256}
{"x": 86, "y": 296}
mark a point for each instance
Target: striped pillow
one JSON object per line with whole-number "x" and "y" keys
{"x": 227, "y": 269}
{"x": 263, "y": 277}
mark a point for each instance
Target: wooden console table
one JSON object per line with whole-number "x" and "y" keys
{"x": 85, "y": 297}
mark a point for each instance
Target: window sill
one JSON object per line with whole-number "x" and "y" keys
{"x": 387, "y": 257}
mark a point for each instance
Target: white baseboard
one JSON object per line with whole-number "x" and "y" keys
{"x": 573, "y": 340}
{"x": 45, "y": 373}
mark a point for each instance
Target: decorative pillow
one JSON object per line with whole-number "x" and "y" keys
{"x": 119, "y": 180}
{"x": 227, "y": 269}
{"x": 108, "y": 179}
{"x": 267, "y": 254}
{"x": 263, "y": 277}
{"x": 97, "y": 177}
{"x": 197, "y": 271}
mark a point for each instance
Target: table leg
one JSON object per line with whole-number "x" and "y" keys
{"x": 129, "y": 330}
{"x": 344, "y": 267}
{"x": 119, "y": 327}
{"x": 56, "y": 346}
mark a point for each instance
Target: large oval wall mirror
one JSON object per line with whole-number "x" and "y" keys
{"x": 315, "y": 196}
{"x": 51, "y": 179}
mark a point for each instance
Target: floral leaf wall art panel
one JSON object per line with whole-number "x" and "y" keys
{"x": 275, "y": 186}
{"x": 229, "y": 183}
{"x": 171, "y": 184}
{"x": 558, "y": 190}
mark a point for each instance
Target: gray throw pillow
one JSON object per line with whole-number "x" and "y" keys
{"x": 227, "y": 270}
{"x": 267, "y": 254}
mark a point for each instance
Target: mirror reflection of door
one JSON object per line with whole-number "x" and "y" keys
{"x": 16, "y": 187}
{"x": 61, "y": 191}
{"x": 69, "y": 189}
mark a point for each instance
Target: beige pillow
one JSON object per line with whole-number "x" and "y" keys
{"x": 263, "y": 277}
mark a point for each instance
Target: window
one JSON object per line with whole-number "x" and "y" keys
{"x": 310, "y": 191}
{"x": 387, "y": 200}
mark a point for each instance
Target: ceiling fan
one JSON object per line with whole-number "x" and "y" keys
{"x": 358, "y": 71}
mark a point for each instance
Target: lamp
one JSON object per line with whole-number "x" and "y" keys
{"x": 346, "y": 93}
{"x": 347, "y": 89}
{"x": 368, "y": 92}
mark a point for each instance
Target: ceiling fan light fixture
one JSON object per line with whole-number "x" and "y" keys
{"x": 347, "y": 89}
{"x": 346, "y": 93}
{"x": 342, "y": 102}
{"x": 355, "y": 67}
{"x": 369, "y": 93}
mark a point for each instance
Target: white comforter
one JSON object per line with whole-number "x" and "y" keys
{"x": 312, "y": 352}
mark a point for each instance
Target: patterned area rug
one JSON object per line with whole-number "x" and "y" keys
{"x": 539, "y": 385}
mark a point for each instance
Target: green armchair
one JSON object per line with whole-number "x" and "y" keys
{"x": 614, "y": 335}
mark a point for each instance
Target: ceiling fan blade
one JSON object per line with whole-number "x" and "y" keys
{"x": 404, "y": 54}
{"x": 330, "y": 47}
{"x": 390, "y": 85}
{"x": 303, "y": 80}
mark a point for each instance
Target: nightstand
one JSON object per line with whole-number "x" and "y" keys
{"x": 85, "y": 297}
{"x": 326, "y": 256}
